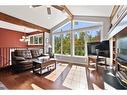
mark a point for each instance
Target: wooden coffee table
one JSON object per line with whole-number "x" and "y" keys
{"x": 44, "y": 65}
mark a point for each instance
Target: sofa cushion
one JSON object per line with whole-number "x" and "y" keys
{"x": 35, "y": 53}
{"x": 28, "y": 54}
{"x": 18, "y": 58}
{"x": 23, "y": 53}
{"x": 27, "y": 61}
{"x": 20, "y": 53}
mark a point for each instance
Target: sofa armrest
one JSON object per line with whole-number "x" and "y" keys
{"x": 18, "y": 58}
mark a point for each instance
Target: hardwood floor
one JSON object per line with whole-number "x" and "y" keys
{"x": 26, "y": 80}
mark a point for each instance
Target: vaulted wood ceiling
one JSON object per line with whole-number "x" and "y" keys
{"x": 38, "y": 18}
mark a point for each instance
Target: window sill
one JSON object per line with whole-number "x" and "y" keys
{"x": 70, "y": 56}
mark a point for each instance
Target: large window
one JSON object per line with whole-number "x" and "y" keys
{"x": 81, "y": 24}
{"x": 64, "y": 28}
{"x": 62, "y": 43}
{"x": 66, "y": 43}
{"x": 81, "y": 34}
{"x": 81, "y": 38}
{"x": 80, "y": 43}
{"x": 93, "y": 35}
{"x": 57, "y": 44}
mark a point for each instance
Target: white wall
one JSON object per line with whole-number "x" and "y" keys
{"x": 72, "y": 59}
{"x": 46, "y": 37}
{"x": 121, "y": 25}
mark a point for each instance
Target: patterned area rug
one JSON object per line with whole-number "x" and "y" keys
{"x": 2, "y": 86}
{"x": 55, "y": 74}
{"x": 76, "y": 78}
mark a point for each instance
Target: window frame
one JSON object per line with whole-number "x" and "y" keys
{"x": 74, "y": 44}
{"x": 76, "y": 30}
{"x": 38, "y": 36}
{"x": 72, "y": 39}
{"x": 61, "y": 34}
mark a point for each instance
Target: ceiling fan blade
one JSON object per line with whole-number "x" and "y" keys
{"x": 48, "y": 10}
{"x": 34, "y": 6}
{"x": 58, "y": 7}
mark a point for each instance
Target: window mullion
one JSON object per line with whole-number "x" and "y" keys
{"x": 72, "y": 39}
{"x": 85, "y": 38}
{"x": 61, "y": 43}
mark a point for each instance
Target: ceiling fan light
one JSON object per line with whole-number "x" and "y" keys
{"x": 23, "y": 37}
{"x": 21, "y": 40}
{"x": 26, "y": 40}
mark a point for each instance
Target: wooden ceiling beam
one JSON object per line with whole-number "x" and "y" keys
{"x": 114, "y": 11}
{"x": 64, "y": 9}
{"x": 58, "y": 7}
{"x": 17, "y": 21}
{"x": 70, "y": 15}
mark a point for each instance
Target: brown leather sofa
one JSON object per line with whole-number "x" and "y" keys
{"x": 22, "y": 59}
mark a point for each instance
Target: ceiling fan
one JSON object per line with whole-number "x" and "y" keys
{"x": 49, "y": 8}
{"x": 61, "y": 8}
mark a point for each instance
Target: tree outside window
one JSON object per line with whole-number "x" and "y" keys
{"x": 57, "y": 44}
{"x": 80, "y": 43}
{"x": 62, "y": 38}
{"x": 66, "y": 43}
{"x": 93, "y": 35}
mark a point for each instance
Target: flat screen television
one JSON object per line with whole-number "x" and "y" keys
{"x": 103, "y": 48}
{"x": 91, "y": 47}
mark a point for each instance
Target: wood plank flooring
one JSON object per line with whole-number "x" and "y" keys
{"x": 26, "y": 80}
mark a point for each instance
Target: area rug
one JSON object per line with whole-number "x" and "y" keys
{"x": 55, "y": 74}
{"x": 95, "y": 87}
{"x": 2, "y": 86}
{"x": 106, "y": 87}
{"x": 76, "y": 78}
{"x": 35, "y": 87}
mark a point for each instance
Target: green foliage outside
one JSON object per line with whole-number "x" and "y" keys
{"x": 95, "y": 38}
{"x": 57, "y": 44}
{"x": 62, "y": 42}
{"x": 80, "y": 43}
{"x": 66, "y": 44}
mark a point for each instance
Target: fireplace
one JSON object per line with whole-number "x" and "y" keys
{"x": 121, "y": 58}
